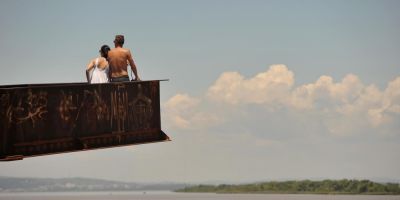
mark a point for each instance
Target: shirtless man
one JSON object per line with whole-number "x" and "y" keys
{"x": 118, "y": 59}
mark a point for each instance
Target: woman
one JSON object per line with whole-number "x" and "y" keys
{"x": 97, "y": 70}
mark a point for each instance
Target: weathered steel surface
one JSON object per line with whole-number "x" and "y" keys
{"x": 56, "y": 118}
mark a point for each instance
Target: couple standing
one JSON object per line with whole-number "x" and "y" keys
{"x": 112, "y": 65}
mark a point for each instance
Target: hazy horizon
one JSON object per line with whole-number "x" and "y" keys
{"x": 213, "y": 182}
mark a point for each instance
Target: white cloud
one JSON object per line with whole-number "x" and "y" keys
{"x": 389, "y": 104}
{"x": 324, "y": 93}
{"x": 343, "y": 107}
{"x": 391, "y": 97}
{"x": 269, "y": 87}
{"x": 182, "y": 111}
{"x": 179, "y": 106}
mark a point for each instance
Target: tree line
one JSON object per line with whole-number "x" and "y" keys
{"x": 343, "y": 186}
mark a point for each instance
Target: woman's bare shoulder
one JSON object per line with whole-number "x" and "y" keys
{"x": 103, "y": 63}
{"x": 90, "y": 65}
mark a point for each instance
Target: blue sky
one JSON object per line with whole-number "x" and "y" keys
{"x": 269, "y": 89}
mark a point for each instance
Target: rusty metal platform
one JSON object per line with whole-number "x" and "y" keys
{"x": 42, "y": 119}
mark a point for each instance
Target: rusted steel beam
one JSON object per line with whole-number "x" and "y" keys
{"x": 42, "y": 119}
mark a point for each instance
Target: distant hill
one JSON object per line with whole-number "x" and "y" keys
{"x": 343, "y": 186}
{"x": 9, "y": 184}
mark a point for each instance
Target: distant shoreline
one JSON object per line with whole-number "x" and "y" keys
{"x": 21, "y": 185}
{"x": 325, "y": 187}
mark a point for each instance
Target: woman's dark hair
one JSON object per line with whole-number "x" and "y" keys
{"x": 104, "y": 50}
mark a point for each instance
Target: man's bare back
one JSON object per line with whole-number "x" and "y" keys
{"x": 118, "y": 59}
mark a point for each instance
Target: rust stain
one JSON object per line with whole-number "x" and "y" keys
{"x": 56, "y": 118}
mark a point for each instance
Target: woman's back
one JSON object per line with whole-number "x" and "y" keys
{"x": 100, "y": 71}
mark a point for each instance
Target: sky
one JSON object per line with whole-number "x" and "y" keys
{"x": 258, "y": 90}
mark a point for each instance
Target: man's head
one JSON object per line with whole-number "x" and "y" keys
{"x": 119, "y": 40}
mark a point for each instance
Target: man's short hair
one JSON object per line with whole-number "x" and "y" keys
{"x": 119, "y": 39}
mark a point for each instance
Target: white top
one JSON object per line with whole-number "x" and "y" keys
{"x": 99, "y": 75}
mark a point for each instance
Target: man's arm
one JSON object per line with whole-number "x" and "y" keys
{"x": 133, "y": 66}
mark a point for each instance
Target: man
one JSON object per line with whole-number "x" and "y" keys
{"x": 118, "y": 59}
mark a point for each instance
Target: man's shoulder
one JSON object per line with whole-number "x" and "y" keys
{"x": 125, "y": 50}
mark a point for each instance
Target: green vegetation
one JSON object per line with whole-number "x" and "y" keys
{"x": 303, "y": 187}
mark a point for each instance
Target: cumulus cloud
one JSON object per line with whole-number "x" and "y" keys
{"x": 178, "y": 108}
{"x": 345, "y": 106}
{"x": 270, "y": 87}
{"x": 324, "y": 91}
{"x": 389, "y": 102}
{"x": 183, "y": 112}
{"x": 391, "y": 97}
